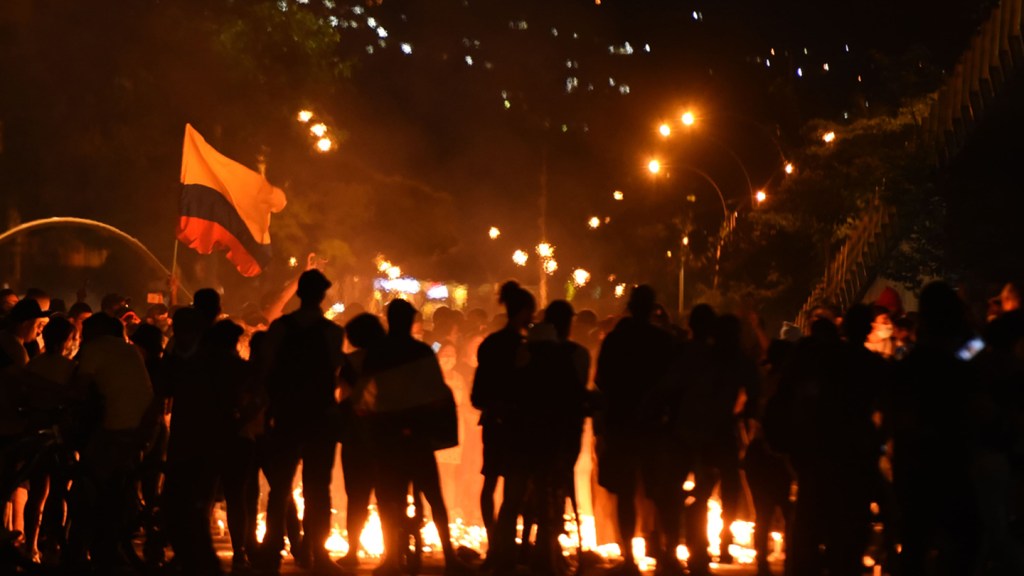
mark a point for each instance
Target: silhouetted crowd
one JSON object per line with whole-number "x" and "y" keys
{"x": 872, "y": 438}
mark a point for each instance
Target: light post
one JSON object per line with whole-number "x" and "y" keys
{"x": 692, "y": 121}
{"x": 655, "y": 167}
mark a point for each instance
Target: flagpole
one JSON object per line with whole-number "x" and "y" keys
{"x": 174, "y": 274}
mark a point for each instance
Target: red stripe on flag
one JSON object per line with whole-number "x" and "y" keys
{"x": 205, "y": 236}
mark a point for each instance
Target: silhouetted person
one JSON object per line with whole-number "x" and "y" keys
{"x": 714, "y": 426}
{"x": 674, "y": 405}
{"x": 202, "y": 450}
{"x": 768, "y": 473}
{"x": 549, "y": 408}
{"x": 207, "y": 302}
{"x": 831, "y": 388}
{"x": 52, "y": 396}
{"x": 364, "y": 332}
{"x": 634, "y": 358}
{"x": 22, "y": 326}
{"x": 500, "y": 358}
{"x": 405, "y": 398}
{"x": 304, "y": 357}
{"x": 120, "y": 384}
{"x": 937, "y": 437}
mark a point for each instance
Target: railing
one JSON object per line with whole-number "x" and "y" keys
{"x": 995, "y": 52}
{"x": 978, "y": 78}
{"x": 848, "y": 274}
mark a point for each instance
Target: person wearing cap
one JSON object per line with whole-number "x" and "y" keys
{"x": 302, "y": 359}
{"x": 24, "y": 324}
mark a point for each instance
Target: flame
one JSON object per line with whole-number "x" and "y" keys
{"x": 371, "y": 541}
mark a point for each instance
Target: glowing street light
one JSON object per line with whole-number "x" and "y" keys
{"x": 520, "y": 257}
{"x": 324, "y": 144}
{"x": 580, "y": 277}
{"x": 665, "y": 130}
{"x": 550, "y": 266}
{"x": 494, "y": 232}
{"x": 318, "y": 129}
{"x": 545, "y": 250}
{"x": 305, "y": 116}
{"x": 788, "y": 168}
{"x": 618, "y": 195}
{"x": 654, "y": 166}
{"x": 620, "y": 290}
{"x": 594, "y": 222}
{"x": 829, "y": 137}
{"x": 760, "y": 196}
{"x": 688, "y": 118}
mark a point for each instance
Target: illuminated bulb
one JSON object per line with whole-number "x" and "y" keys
{"x": 550, "y": 265}
{"x": 318, "y": 129}
{"x": 594, "y": 222}
{"x": 305, "y": 115}
{"x": 618, "y": 195}
{"x": 545, "y": 250}
{"x": 789, "y": 168}
{"x": 760, "y": 196}
{"x": 665, "y": 130}
{"x": 580, "y": 277}
{"x": 293, "y": 262}
{"x": 686, "y": 240}
{"x": 620, "y": 290}
{"x": 335, "y": 309}
{"x": 688, "y": 118}
{"x": 494, "y": 232}
{"x": 829, "y": 137}
{"x": 324, "y": 144}
{"x": 394, "y": 272}
{"x": 654, "y": 166}
{"x": 520, "y": 257}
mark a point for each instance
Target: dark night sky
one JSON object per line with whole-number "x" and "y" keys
{"x": 93, "y": 116}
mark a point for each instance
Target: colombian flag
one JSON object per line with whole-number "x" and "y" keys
{"x": 225, "y": 206}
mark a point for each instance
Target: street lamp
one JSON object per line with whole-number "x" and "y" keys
{"x": 689, "y": 119}
{"x": 685, "y": 240}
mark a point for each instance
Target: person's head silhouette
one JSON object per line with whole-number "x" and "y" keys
{"x": 641, "y": 303}
{"x": 401, "y": 316}
{"x": 313, "y": 287}
{"x": 559, "y": 314}
{"x": 207, "y": 302}
{"x": 519, "y": 304}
